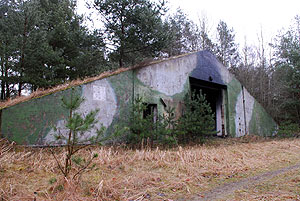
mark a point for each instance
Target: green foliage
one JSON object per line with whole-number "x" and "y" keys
{"x": 197, "y": 119}
{"x": 74, "y": 51}
{"x": 288, "y": 129}
{"x": 287, "y": 52}
{"x": 196, "y": 123}
{"x": 60, "y": 187}
{"x": 227, "y": 49}
{"x": 44, "y": 43}
{"x": 77, "y": 125}
{"x": 78, "y": 160}
{"x": 52, "y": 180}
{"x": 140, "y": 128}
{"x": 183, "y": 33}
{"x": 147, "y": 130}
{"x": 134, "y": 28}
{"x": 165, "y": 131}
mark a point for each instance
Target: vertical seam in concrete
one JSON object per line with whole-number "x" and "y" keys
{"x": 227, "y": 112}
{"x": 223, "y": 124}
{"x": 244, "y": 109}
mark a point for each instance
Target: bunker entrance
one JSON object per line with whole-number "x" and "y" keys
{"x": 214, "y": 95}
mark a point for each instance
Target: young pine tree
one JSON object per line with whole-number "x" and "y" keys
{"x": 197, "y": 119}
{"x": 77, "y": 124}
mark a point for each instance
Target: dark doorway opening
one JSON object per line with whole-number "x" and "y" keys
{"x": 213, "y": 95}
{"x": 150, "y": 110}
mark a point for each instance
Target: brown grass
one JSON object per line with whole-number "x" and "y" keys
{"x": 157, "y": 174}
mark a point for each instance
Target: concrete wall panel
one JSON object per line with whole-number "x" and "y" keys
{"x": 97, "y": 95}
{"x": 30, "y": 122}
{"x": 239, "y": 116}
{"x": 168, "y": 77}
{"x": 249, "y": 105}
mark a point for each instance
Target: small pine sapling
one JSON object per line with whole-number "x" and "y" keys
{"x": 140, "y": 127}
{"x": 165, "y": 127}
{"x": 197, "y": 119}
{"x": 77, "y": 124}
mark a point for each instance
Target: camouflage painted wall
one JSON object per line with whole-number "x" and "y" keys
{"x": 31, "y": 122}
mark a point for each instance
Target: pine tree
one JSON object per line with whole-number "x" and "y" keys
{"x": 197, "y": 119}
{"x": 77, "y": 125}
{"x": 184, "y": 34}
{"x": 287, "y": 53}
{"x": 133, "y": 29}
{"x": 44, "y": 43}
{"x": 227, "y": 49}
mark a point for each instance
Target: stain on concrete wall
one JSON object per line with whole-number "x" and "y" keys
{"x": 249, "y": 105}
{"x": 122, "y": 85}
{"x": 97, "y": 95}
{"x": 239, "y": 116}
{"x": 261, "y": 123}
{"x": 30, "y": 122}
{"x": 243, "y": 109}
{"x": 169, "y": 77}
{"x": 100, "y": 95}
{"x": 168, "y": 81}
{"x": 234, "y": 88}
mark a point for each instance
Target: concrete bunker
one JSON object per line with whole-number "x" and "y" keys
{"x": 214, "y": 94}
{"x": 162, "y": 84}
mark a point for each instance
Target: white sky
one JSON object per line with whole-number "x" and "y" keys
{"x": 246, "y": 17}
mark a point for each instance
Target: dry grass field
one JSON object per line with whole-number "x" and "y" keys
{"x": 157, "y": 174}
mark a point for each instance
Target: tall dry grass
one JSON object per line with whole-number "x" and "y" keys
{"x": 157, "y": 174}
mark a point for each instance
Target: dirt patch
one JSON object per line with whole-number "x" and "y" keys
{"x": 229, "y": 188}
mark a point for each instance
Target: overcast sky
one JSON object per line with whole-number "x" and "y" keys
{"x": 246, "y": 17}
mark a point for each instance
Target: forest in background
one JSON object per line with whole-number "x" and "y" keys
{"x": 46, "y": 42}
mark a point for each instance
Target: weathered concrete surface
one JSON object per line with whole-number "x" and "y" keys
{"x": 220, "y": 118}
{"x": 31, "y": 122}
{"x": 261, "y": 123}
{"x": 168, "y": 77}
{"x": 243, "y": 109}
{"x": 97, "y": 95}
{"x": 249, "y": 105}
{"x": 234, "y": 88}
